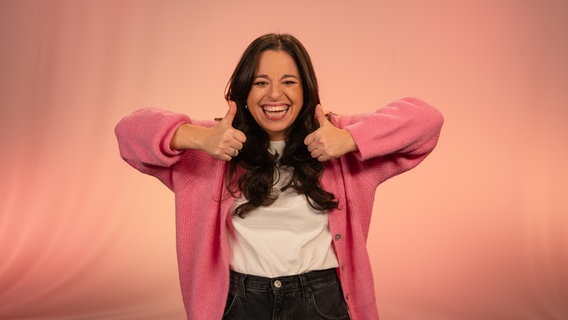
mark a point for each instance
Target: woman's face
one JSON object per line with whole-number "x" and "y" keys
{"x": 276, "y": 96}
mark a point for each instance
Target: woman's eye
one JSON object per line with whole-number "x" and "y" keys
{"x": 261, "y": 83}
{"x": 289, "y": 82}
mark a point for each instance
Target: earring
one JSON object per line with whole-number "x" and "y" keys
{"x": 246, "y": 107}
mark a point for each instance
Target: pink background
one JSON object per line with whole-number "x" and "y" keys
{"x": 478, "y": 231}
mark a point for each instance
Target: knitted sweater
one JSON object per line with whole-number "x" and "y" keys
{"x": 391, "y": 140}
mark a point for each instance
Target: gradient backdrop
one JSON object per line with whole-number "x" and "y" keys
{"x": 479, "y": 231}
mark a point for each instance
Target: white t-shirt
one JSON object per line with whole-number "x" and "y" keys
{"x": 286, "y": 238}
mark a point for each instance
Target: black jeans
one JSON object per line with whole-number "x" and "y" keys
{"x": 313, "y": 295}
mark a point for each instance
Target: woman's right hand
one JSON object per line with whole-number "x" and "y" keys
{"x": 221, "y": 141}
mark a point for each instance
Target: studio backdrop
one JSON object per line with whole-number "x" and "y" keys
{"x": 478, "y": 231}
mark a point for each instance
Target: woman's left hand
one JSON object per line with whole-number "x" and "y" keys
{"x": 328, "y": 142}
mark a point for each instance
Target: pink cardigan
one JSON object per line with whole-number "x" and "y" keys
{"x": 392, "y": 140}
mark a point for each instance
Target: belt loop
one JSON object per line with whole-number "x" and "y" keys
{"x": 242, "y": 286}
{"x": 305, "y": 286}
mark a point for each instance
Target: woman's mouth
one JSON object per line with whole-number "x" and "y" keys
{"x": 273, "y": 112}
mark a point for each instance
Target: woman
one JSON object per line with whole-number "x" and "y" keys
{"x": 274, "y": 201}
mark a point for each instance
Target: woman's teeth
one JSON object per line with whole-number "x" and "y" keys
{"x": 274, "y": 108}
{"x": 275, "y": 112}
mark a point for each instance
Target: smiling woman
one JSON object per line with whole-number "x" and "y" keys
{"x": 272, "y": 200}
{"x": 276, "y": 73}
{"x": 276, "y": 97}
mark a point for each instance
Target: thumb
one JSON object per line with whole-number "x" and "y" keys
{"x": 320, "y": 116}
{"x": 231, "y": 112}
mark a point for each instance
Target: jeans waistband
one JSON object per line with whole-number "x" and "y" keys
{"x": 281, "y": 284}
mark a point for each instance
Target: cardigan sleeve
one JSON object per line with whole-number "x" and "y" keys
{"x": 144, "y": 141}
{"x": 397, "y": 137}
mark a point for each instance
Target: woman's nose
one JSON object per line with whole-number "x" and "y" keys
{"x": 275, "y": 91}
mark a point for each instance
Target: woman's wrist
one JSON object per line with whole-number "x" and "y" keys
{"x": 187, "y": 136}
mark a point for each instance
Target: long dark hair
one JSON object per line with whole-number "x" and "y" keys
{"x": 253, "y": 170}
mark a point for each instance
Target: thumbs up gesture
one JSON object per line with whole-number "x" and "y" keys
{"x": 221, "y": 141}
{"x": 224, "y": 142}
{"x": 328, "y": 142}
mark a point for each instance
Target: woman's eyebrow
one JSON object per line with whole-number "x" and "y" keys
{"x": 289, "y": 76}
{"x": 263, "y": 76}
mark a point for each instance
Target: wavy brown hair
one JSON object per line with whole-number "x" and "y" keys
{"x": 252, "y": 171}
